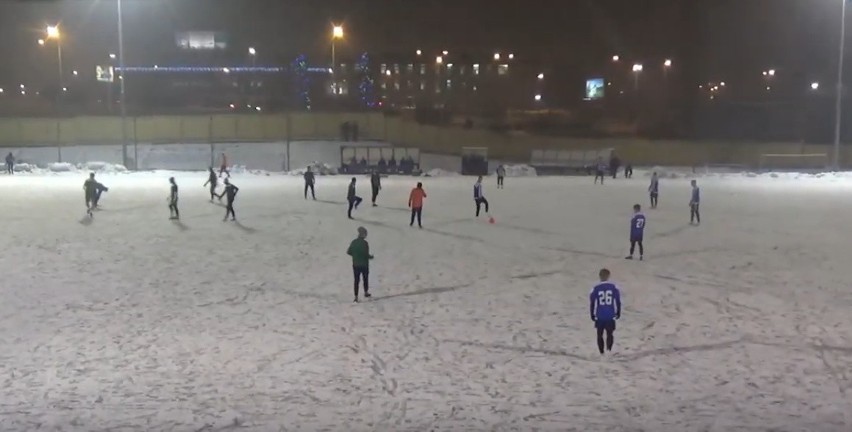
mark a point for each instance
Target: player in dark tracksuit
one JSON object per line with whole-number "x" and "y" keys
{"x": 173, "y": 200}
{"x": 694, "y": 214}
{"x": 353, "y": 198}
{"x": 10, "y": 163}
{"x": 309, "y": 183}
{"x": 605, "y": 309}
{"x": 654, "y": 190}
{"x": 231, "y": 192}
{"x": 478, "y": 196}
{"x": 359, "y": 250}
{"x": 637, "y": 231}
{"x": 376, "y": 184}
{"x": 213, "y": 181}
{"x": 600, "y": 171}
{"x": 90, "y": 187}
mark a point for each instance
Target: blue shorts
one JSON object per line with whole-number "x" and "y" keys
{"x": 608, "y": 325}
{"x": 636, "y": 238}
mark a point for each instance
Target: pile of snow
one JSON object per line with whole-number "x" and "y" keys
{"x": 103, "y": 167}
{"x": 61, "y": 167}
{"x": 24, "y": 167}
{"x": 318, "y": 169}
{"x": 438, "y": 172}
{"x": 520, "y": 170}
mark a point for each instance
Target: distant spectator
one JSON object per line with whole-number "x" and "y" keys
{"x": 392, "y": 164}
{"x": 614, "y": 164}
{"x": 628, "y": 170}
{"x": 383, "y": 165}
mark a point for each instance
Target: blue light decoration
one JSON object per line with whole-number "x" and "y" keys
{"x": 366, "y": 86}
{"x": 301, "y": 81}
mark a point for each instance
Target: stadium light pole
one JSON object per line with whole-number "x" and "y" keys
{"x": 336, "y": 33}
{"x": 53, "y": 33}
{"x": 838, "y": 104}
{"x": 122, "y": 98}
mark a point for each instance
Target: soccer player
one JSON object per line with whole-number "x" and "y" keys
{"x": 223, "y": 165}
{"x": 10, "y": 163}
{"x": 174, "y": 214}
{"x": 501, "y": 173}
{"x": 309, "y": 183}
{"x": 231, "y": 192}
{"x": 376, "y": 184}
{"x": 654, "y": 190}
{"x": 637, "y": 231}
{"x": 353, "y": 198}
{"x": 359, "y": 250}
{"x": 415, "y": 202}
{"x": 605, "y": 309}
{"x": 600, "y": 169}
{"x": 694, "y": 215}
{"x": 90, "y": 187}
{"x": 213, "y": 181}
{"x": 478, "y": 197}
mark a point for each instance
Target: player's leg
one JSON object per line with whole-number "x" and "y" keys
{"x": 610, "y": 336}
{"x": 420, "y": 217}
{"x": 357, "y": 273}
{"x": 351, "y": 204}
{"x": 375, "y": 195}
{"x": 600, "y": 331}
{"x": 641, "y": 249}
{"x": 632, "y": 248}
{"x": 478, "y": 205}
{"x": 413, "y": 215}
{"x": 233, "y": 213}
{"x": 306, "y": 190}
{"x": 358, "y": 201}
{"x": 485, "y": 201}
{"x": 365, "y": 273}
{"x": 177, "y": 212}
{"x": 697, "y": 214}
{"x": 313, "y": 193}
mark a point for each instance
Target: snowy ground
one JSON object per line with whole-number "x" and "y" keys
{"x": 131, "y": 322}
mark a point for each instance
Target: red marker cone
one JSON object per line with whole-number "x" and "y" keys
{"x": 491, "y": 220}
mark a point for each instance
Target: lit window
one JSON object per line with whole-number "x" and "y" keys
{"x": 476, "y": 69}
{"x": 422, "y": 86}
{"x": 449, "y": 67}
{"x": 396, "y": 86}
{"x": 474, "y": 88}
{"x": 461, "y": 70}
{"x": 384, "y": 68}
{"x": 343, "y": 67}
{"x": 449, "y": 84}
{"x": 503, "y": 69}
{"x": 409, "y": 84}
{"x": 384, "y": 86}
{"x": 422, "y": 69}
{"x": 437, "y": 88}
{"x": 410, "y": 68}
{"x": 396, "y": 68}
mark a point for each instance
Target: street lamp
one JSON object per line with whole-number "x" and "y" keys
{"x": 439, "y": 60}
{"x": 637, "y": 69}
{"x": 838, "y": 107}
{"x": 537, "y": 98}
{"x": 419, "y": 52}
{"x": 814, "y": 85}
{"x": 616, "y": 58}
{"x": 252, "y": 51}
{"x": 496, "y": 56}
{"x": 541, "y": 76}
{"x": 336, "y": 33}
{"x": 511, "y": 56}
{"x": 667, "y": 63}
{"x": 54, "y": 33}
{"x": 111, "y": 56}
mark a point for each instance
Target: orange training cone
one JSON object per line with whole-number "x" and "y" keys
{"x": 491, "y": 220}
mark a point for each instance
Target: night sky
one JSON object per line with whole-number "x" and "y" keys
{"x": 718, "y": 39}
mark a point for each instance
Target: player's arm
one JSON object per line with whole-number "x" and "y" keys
{"x": 367, "y": 249}
{"x": 592, "y": 302}
{"x": 349, "y": 250}
{"x": 410, "y": 198}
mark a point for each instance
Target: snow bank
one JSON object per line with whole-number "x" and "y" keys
{"x": 24, "y": 167}
{"x": 317, "y": 167}
{"x": 520, "y": 170}
{"x": 103, "y": 167}
{"x": 61, "y": 167}
{"x": 438, "y": 172}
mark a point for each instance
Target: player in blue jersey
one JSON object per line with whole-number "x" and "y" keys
{"x": 637, "y": 231}
{"x": 694, "y": 215}
{"x": 605, "y": 308}
{"x": 654, "y": 190}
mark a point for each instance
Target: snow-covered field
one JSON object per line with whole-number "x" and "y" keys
{"x": 131, "y": 322}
